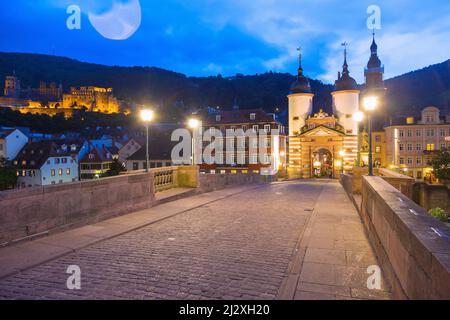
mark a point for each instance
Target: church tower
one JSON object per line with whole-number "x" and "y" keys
{"x": 300, "y": 101}
{"x": 346, "y": 99}
{"x": 374, "y": 74}
{"x": 374, "y": 71}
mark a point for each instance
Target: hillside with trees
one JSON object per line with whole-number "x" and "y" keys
{"x": 175, "y": 94}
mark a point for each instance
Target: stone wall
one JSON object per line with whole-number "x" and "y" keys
{"x": 32, "y": 211}
{"x": 35, "y": 210}
{"x": 432, "y": 196}
{"x": 211, "y": 182}
{"x": 399, "y": 181}
{"x": 413, "y": 248}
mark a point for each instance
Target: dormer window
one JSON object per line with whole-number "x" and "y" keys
{"x": 252, "y": 116}
{"x": 73, "y": 147}
{"x": 91, "y": 156}
{"x": 64, "y": 147}
{"x": 218, "y": 118}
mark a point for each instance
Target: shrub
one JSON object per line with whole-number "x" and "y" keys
{"x": 439, "y": 214}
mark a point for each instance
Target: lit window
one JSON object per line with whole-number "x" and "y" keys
{"x": 252, "y": 116}
{"x": 430, "y": 147}
{"x": 218, "y": 118}
{"x": 410, "y": 120}
{"x": 60, "y": 172}
{"x": 378, "y": 149}
{"x": 68, "y": 171}
{"x": 53, "y": 172}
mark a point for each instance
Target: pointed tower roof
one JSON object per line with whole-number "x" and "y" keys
{"x": 301, "y": 85}
{"x": 374, "y": 61}
{"x": 345, "y": 82}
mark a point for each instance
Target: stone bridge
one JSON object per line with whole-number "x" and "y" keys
{"x": 219, "y": 237}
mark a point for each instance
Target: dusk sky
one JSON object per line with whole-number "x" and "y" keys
{"x": 207, "y": 37}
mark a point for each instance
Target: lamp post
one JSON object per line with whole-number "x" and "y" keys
{"x": 147, "y": 117}
{"x": 370, "y": 104}
{"x": 358, "y": 117}
{"x": 193, "y": 124}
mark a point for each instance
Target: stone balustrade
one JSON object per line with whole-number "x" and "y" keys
{"x": 28, "y": 213}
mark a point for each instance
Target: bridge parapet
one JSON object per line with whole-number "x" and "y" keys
{"x": 412, "y": 246}
{"x": 39, "y": 211}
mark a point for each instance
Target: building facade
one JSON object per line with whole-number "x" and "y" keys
{"x": 51, "y": 100}
{"x": 43, "y": 163}
{"x": 240, "y": 153}
{"x": 94, "y": 99}
{"x": 326, "y": 145}
{"x": 412, "y": 142}
{"x": 323, "y": 145}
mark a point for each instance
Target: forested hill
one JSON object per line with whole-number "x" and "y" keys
{"x": 175, "y": 91}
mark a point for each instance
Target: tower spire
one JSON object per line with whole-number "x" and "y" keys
{"x": 345, "y": 66}
{"x": 300, "y": 68}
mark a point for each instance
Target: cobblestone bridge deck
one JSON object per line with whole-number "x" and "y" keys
{"x": 290, "y": 240}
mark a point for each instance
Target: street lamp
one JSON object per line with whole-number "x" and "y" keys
{"x": 358, "y": 117}
{"x": 147, "y": 117}
{"x": 370, "y": 104}
{"x": 193, "y": 124}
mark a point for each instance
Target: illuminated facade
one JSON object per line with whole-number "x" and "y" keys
{"x": 412, "y": 144}
{"x": 50, "y": 99}
{"x": 94, "y": 99}
{"x": 323, "y": 145}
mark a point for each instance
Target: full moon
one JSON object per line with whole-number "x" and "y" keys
{"x": 120, "y": 22}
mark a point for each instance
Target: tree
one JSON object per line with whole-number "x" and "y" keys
{"x": 8, "y": 175}
{"x": 115, "y": 169}
{"x": 441, "y": 165}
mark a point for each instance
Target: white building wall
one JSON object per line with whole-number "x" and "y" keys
{"x": 345, "y": 105}
{"x": 300, "y": 106}
{"x": 65, "y": 177}
{"x": 29, "y": 178}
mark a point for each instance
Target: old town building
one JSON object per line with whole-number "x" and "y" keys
{"x": 241, "y": 153}
{"x": 413, "y": 141}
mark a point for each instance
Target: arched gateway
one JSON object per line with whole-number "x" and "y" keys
{"x": 322, "y": 163}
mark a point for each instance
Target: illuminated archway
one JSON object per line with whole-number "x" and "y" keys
{"x": 322, "y": 163}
